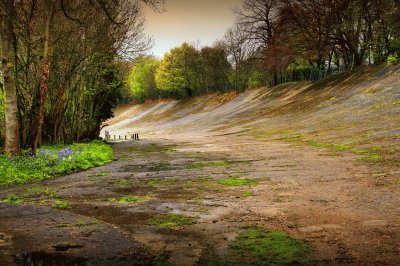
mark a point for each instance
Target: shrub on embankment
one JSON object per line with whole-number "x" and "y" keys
{"x": 51, "y": 161}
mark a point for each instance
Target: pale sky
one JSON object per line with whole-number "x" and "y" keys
{"x": 189, "y": 20}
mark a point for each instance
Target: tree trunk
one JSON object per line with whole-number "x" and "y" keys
{"x": 44, "y": 79}
{"x": 12, "y": 146}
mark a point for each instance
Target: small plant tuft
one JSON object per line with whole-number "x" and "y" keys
{"x": 13, "y": 199}
{"x": 246, "y": 194}
{"x": 61, "y": 204}
{"x": 171, "y": 220}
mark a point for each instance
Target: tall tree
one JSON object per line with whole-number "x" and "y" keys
{"x": 215, "y": 68}
{"x": 179, "y": 71}
{"x": 7, "y": 14}
{"x": 48, "y": 18}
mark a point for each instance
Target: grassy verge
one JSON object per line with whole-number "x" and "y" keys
{"x": 52, "y": 161}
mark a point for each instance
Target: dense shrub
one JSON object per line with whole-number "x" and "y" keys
{"x": 393, "y": 59}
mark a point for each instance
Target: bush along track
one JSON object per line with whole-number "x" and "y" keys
{"x": 52, "y": 161}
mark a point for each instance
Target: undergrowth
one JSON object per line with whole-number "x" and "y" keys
{"x": 52, "y": 161}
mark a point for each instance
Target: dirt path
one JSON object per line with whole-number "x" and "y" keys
{"x": 331, "y": 202}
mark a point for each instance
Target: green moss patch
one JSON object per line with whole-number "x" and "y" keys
{"x": 259, "y": 246}
{"x": 269, "y": 247}
{"x": 170, "y": 220}
{"x": 128, "y": 199}
{"x": 237, "y": 181}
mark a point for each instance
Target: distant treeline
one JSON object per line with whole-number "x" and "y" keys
{"x": 183, "y": 72}
{"x": 276, "y": 41}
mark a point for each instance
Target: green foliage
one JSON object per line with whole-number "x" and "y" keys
{"x": 215, "y": 68}
{"x": 268, "y": 247}
{"x": 13, "y": 199}
{"x": 256, "y": 79}
{"x": 1, "y": 116}
{"x": 183, "y": 72}
{"x": 179, "y": 71}
{"x": 53, "y": 161}
{"x": 237, "y": 181}
{"x": 169, "y": 220}
{"x": 393, "y": 59}
{"x": 142, "y": 81}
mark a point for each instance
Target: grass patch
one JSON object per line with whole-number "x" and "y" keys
{"x": 370, "y": 157}
{"x": 269, "y": 247}
{"x": 258, "y": 246}
{"x": 129, "y": 199}
{"x": 237, "y": 181}
{"x": 33, "y": 194}
{"x": 78, "y": 224}
{"x": 13, "y": 199}
{"x": 52, "y": 161}
{"x": 61, "y": 204}
{"x": 170, "y": 220}
{"x": 208, "y": 164}
{"x": 38, "y": 191}
{"x": 246, "y": 194}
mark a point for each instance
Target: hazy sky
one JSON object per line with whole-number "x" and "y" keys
{"x": 189, "y": 20}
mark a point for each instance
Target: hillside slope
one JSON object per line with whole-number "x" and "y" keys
{"x": 357, "y": 112}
